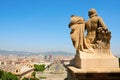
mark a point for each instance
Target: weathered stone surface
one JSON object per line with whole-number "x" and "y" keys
{"x": 98, "y": 36}
{"x": 93, "y": 74}
{"x": 93, "y": 49}
{"x": 93, "y": 59}
{"x": 84, "y": 60}
{"x": 77, "y": 26}
{"x": 97, "y": 32}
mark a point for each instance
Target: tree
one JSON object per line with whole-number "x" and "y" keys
{"x": 34, "y": 74}
{"x": 39, "y": 67}
{"x": 9, "y": 76}
{"x": 1, "y": 73}
{"x": 25, "y": 78}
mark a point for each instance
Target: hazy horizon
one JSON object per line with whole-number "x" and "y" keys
{"x": 39, "y": 26}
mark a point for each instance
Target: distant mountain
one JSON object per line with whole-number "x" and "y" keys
{"x": 23, "y": 53}
{"x": 6, "y": 52}
{"x": 117, "y": 55}
{"x": 58, "y": 53}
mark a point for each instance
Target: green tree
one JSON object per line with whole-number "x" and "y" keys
{"x": 9, "y": 76}
{"x": 34, "y": 79}
{"x": 25, "y": 78}
{"x": 1, "y": 73}
{"x": 39, "y": 67}
{"x": 34, "y": 74}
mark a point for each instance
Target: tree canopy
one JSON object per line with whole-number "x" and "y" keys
{"x": 39, "y": 67}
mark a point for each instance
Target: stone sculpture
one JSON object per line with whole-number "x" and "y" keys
{"x": 93, "y": 59}
{"x": 98, "y": 36}
{"x": 97, "y": 32}
{"x": 77, "y": 26}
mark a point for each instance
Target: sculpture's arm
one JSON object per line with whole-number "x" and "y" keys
{"x": 101, "y": 23}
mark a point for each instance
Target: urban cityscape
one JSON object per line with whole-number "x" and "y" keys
{"x": 23, "y": 66}
{"x": 59, "y": 40}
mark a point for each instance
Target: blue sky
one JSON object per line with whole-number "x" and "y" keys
{"x": 42, "y": 25}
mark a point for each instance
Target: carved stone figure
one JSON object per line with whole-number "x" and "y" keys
{"x": 93, "y": 59}
{"x": 77, "y": 26}
{"x": 77, "y": 31}
{"x": 98, "y": 35}
{"x": 97, "y": 39}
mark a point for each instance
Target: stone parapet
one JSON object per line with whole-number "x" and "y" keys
{"x": 92, "y": 74}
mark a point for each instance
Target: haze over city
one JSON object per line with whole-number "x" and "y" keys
{"x": 39, "y": 26}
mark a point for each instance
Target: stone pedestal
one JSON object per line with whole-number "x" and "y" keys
{"x": 89, "y": 66}
{"x": 93, "y": 59}
{"x": 89, "y": 60}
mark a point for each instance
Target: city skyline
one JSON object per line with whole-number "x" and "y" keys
{"x": 39, "y": 26}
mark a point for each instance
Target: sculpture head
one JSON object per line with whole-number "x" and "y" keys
{"x": 92, "y": 12}
{"x": 76, "y": 20}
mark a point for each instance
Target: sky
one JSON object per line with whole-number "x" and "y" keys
{"x": 42, "y": 25}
